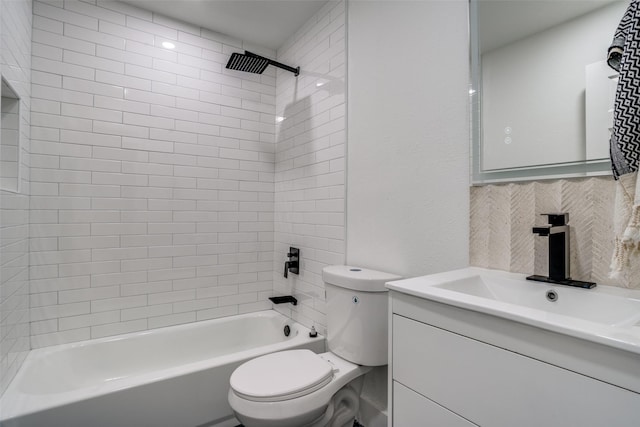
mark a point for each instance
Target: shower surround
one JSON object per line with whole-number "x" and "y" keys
{"x": 154, "y": 189}
{"x": 152, "y": 174}
{"x": 310, "y": 161}
{"x": 15, "y": 64}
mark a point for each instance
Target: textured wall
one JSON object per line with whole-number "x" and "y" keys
{"x": 502, "y": 217}
{"x": 310, "y": 163}
{"x": 15, "y": 23}
{"x": 152, "y": 174}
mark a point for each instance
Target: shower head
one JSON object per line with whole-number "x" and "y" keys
{"x": 247, "y": 63}
{"x": 252, "y": 63}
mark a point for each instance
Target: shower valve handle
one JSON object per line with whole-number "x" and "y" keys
{"x": 293, "y": 265}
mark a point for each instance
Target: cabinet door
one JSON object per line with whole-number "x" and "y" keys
{"x": 411, "y": 409}
{"x": 494, "y": 387}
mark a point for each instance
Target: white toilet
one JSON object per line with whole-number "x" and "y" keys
{"x": 298, "y": 388}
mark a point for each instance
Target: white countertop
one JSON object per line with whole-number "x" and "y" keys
{"x": 606, "y": 315}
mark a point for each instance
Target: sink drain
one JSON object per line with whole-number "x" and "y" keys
{"x": 552, "y": 296}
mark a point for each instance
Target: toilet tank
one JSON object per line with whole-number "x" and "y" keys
{"x": 357, "y": 313}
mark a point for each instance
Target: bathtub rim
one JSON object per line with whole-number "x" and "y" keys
{"x": 15, "y": 403}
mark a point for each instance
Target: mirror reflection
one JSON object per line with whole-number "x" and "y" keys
{"x": 542, "y": 93}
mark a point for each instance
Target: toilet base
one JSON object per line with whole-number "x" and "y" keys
{"x": 299, "y": 421}
{"x": 355, "y": 424}
{"x": 343, "y": 408}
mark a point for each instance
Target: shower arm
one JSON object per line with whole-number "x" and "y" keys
{"x": 295, "y": 71}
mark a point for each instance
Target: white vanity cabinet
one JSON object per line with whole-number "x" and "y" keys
{"x": 413, "y": 409}
{"x": 459, "y": 368}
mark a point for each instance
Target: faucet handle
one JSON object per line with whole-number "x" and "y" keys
{"x": 293, "y": 265}
{"x": 560, "y": 218}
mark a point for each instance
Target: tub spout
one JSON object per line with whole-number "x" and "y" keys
{"x": 284, "y": 299}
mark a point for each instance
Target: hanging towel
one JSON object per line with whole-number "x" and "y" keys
{"x": 625, "y": 196}
{"x": 624, "y": 57}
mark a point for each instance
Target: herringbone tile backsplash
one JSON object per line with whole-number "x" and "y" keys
{"x": 502, "y": 217}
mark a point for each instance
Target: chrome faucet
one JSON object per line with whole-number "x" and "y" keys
{"x": 557, "y": 231}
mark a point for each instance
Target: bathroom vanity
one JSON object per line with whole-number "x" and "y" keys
{"x": 484, "y": 347}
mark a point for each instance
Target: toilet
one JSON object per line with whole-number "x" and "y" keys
{"x": 299, "y": 388}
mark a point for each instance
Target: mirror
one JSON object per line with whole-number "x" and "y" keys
{"x": 541, "y": 91}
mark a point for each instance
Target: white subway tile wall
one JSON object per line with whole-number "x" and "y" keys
{"x": 152, "y": 174}
{"x": 15, "y": 66}
{"x": 310, "y": 160}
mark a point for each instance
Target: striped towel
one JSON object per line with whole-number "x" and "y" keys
{"x": 624, "y": 57}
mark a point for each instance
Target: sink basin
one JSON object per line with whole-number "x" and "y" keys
{"x": 605, "y": 314}
{"x": 580, "y": 303}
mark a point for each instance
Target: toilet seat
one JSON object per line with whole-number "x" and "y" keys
{"x": 281, "y": 376}
{"x": 295, "y": 411}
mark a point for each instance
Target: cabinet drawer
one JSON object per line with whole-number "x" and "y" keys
{"x": 494, "y": 387}
{"x": 413, "y": 409}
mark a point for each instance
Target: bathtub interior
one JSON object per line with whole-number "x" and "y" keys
{"x": 70, "y": 367}
{"x": 65, "y": 374}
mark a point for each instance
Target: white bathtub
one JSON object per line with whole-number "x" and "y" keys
{"x": 176, "y": 376}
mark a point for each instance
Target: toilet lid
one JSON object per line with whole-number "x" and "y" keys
{"x": 281, "y": 376}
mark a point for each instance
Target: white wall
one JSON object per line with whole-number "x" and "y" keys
{"x": 408, "y": 151}
{"x": 152, "y": 178}
{"x": 310, "y": 149}
{"x": 15, "y": 65}
{"x": 536, "y": 87}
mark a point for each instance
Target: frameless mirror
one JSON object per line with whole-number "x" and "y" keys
{"x": 541, "y": 92}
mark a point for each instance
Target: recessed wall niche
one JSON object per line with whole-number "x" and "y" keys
{"x": 9, "y": 139}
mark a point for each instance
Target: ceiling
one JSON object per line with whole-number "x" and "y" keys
{"x": 502, "y": 22}
{"x": 267, "y": 23}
